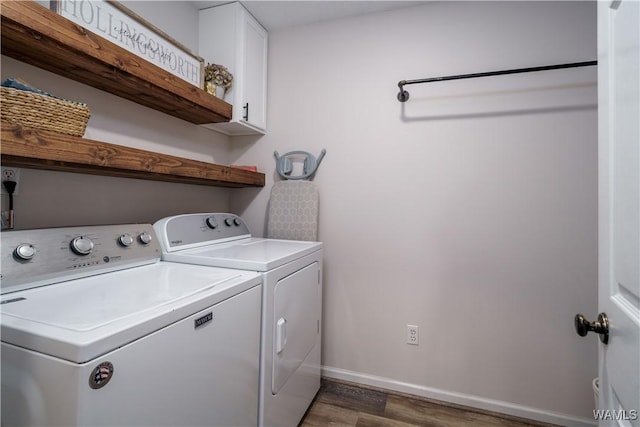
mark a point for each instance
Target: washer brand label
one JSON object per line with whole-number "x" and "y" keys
{"x": 175, "y": 242}
{"x": 101, "y": 375}
{"x": 202, "y": 320}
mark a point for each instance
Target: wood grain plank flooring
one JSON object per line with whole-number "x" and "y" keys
{"x": 342, "y": 404}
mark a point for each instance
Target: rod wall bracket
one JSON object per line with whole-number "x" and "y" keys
{"x": 403, "y": 95}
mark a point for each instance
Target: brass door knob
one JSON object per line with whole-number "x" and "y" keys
{"x": 600, "y": 326}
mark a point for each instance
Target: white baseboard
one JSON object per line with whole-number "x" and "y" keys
{"x": 457, "y": 398}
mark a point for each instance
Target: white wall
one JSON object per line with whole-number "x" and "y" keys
{"x": 50, "y": 199}
{"x": 469, "y": 211}
{"x": 177, "y": 18}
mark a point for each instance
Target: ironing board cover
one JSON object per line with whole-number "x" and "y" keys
{"x": 293, "y": 211}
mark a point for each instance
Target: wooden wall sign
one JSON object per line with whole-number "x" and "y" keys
{"x": 121, "y": 26}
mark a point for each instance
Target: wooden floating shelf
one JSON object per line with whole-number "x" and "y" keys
{"x": 35, "y": 35}
{"x": 40, "y": 149}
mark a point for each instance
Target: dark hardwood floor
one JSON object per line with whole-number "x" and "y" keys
{"x": 341, "y": 404}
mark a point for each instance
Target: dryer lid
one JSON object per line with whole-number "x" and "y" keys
{"x": 255, "y": 254}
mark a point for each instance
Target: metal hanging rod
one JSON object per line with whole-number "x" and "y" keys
{"x": 403, "y": 95}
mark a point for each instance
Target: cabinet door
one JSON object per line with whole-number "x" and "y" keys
{"x": 230, "y": 36}
{"x": 254, "y": 99}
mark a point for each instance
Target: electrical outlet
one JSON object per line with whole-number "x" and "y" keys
{"x": 10, "y": 174}
{"x": 412, "y": 334}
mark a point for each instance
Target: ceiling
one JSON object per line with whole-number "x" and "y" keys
{"x": 277, "y": 15}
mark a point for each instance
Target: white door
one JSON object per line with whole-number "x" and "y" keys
{"x": 619, "y": 210}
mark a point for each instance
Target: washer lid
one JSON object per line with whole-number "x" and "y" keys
{"x": 255, "y": 254}
{"x": 82, "y": 319}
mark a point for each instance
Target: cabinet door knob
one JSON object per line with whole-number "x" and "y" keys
{"x": 246, "y": 112}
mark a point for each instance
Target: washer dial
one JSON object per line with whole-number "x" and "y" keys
{"x": 24, "y": 251}
{"x": 82, "y": 245}
{"x": 126, "y": 240}
{"x": 145, "y": 238}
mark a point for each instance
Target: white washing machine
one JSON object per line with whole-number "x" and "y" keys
{"x": 291, "y": 302}
{"x": 96, "y": 330}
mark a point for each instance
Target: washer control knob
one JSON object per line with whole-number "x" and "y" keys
{"x": 145, "y": 238}
{"x": 228, "y": 222}
{"x": 211, "y": 223}
{"x": 125, "y": 240}
{"x": 24, "y": 251}
{"x": 236, "y": 221}
{"x": 82, "y": 245}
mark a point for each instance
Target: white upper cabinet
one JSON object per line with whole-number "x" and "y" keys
{"x": 231, "y": 37}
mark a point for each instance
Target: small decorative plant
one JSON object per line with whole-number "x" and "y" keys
{"x": 218, "y": 75}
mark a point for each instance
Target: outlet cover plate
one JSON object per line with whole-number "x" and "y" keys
{"x": 16, "y": 174}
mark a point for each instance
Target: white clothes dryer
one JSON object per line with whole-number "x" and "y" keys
{"x": 96, "y": 330}
{"x": 291, "y": 302}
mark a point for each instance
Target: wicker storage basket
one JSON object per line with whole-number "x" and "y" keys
{"x": 43, "y": 112}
